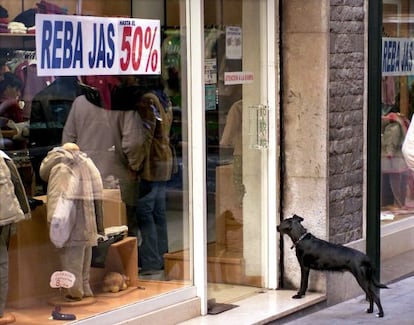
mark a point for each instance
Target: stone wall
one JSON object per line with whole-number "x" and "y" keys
{"x": 346, "y": 120}
{"x": 305, "y": 54}
{"x": 323, "y": 112}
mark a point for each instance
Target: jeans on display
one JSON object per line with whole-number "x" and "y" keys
{"x": 151, "y": 215}
{"x": 4, "y": 266}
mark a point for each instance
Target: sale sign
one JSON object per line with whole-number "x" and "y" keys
{"x": 84, "y": 45}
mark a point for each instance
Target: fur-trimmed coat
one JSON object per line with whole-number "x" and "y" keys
{"x": 72, "y": 174}
{"x": 14, "y": 206}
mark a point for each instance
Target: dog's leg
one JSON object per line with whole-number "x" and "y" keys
{"x": 373, "y": 287}
{"x": 359, "y": 275}
{"x": 370, "y": 291}
{"x": 377, "y": 300}
{"x": 304, "y": 279}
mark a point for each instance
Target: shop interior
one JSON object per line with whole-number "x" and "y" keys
{"x": 397, "y": 190}
{"x": 33, "y": 258}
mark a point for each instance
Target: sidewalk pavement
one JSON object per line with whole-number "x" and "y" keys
{"x": 397, "y": 301}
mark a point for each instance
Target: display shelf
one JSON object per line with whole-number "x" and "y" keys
{"x": 17, "y": 41}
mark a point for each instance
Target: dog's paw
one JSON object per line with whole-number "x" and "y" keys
{"x": 297, "y": 296}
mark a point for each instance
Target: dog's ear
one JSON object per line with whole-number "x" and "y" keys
{"x": 297, "y": 218}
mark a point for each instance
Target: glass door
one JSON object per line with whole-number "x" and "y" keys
{"x": 237, "y": 133}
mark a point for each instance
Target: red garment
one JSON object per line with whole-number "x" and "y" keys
{"x": 396, "y": 117}
{"x": 105, "y": 85}
{"x": 45, "y": 7}
{"x": 388, "y": 90}
{"x": 10, "y": 109}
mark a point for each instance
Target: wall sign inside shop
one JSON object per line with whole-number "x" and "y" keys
{"x": 83, "y": 45}
{"x": 238, "y": 77}
{"x": 397, "y": 56}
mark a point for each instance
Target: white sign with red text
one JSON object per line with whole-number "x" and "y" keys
{"x": 83, "y": 45}
{"x": 238, "y": 77}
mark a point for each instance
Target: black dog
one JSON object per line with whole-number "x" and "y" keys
{"x": 317, "y": 254}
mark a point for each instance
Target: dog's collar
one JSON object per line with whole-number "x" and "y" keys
{"x": 300, "y": 238}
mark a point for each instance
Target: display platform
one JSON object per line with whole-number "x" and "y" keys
{"x": 33, "y": 259}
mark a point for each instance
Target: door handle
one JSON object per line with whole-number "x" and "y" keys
{"x": 259, "y": 126}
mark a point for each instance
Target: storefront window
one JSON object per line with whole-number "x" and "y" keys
{"x": 132, "y": 127}
{"x": 397, "y": 189}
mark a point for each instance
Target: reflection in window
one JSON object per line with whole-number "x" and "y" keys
{"x": 397, "y": 108}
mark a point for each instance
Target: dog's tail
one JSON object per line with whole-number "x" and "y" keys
{"x": 377, "y": 284}
{"x": 370, "y": 276}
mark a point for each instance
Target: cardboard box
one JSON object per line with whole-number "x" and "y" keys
{"x": 113, "y": 208}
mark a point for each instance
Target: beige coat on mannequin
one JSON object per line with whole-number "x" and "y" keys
{"x": 61, "y": 166}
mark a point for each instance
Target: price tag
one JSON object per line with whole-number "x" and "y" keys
{"x": 62, "y": 279}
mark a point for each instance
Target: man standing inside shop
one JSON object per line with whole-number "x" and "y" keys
{"x": 156, "y": 112}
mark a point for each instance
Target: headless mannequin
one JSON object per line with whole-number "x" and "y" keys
{"x": 14, "y": 180}
{"x": 76, "y": 254}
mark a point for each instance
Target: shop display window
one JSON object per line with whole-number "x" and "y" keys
{"x": 35, "y": 111}
{"x": 397, "y": 97}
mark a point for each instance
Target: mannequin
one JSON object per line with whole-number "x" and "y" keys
{"x": 72, "y": 174}
{"x": 16, "y": 209}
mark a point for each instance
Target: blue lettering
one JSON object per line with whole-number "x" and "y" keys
{"x": 101, "y": 47}
{"x": 91, "y": 55}
{"x": 384, "y": 55}
{"x": 98, "y": 57}
{"x": 391, "y": 59}
{"x": 46, "y": 44}
{"x": 397, "y": 57}
{"x": 67, "y": 45}
{"x": 404, "y": 63}
{"x": 394, "y": 48}
{"x": 57, "y": 44}
{"x": 111, "y": 44}
{"x": 62, "y": 45}
{"x": 387, "y": 54}
{"x": 78, "y": 49}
